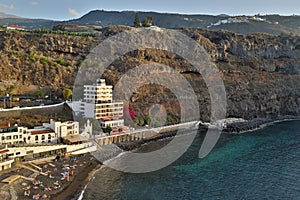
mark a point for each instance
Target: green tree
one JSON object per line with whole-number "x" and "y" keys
{"x": 107, "y": 129}
{"x": 38, "y": 94}
{"x": 145, "y": 23}
{"x": 67, "y": 93}
{"x": 137, "y": 22}
{"x": 147, "y": 120}
{"x": 139, "y": 121}
{"x": 150, "y": 19}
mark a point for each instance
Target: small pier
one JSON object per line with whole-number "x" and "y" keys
{"x": 143, "y": 133}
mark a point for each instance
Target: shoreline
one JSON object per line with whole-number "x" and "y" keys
{"x": 134, "y": 145}
{"x": 42, "y": 186}
{"x": 255, "y": 124}
{"x": 74, "y": 189}
{"x": 79, "y": 196}
{"x": 231, "y": 128}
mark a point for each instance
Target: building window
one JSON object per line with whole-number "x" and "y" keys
{"x": 49, "y": 141}
{"x": 8, "y": 137}
{"x": 49, "y": 136}
{"x": 18, "y": 153}
{"x": 36, "y": 137}
{"x": 2, "y": 138}
{"x": 43, "y": 137}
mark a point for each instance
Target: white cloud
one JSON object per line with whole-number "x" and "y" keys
{"x": 34, "y": 3}
{"x": 6, "y": 7}
{"x": 73, "y": 12}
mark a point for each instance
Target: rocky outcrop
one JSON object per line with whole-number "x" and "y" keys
{"x": 263, "y": 51}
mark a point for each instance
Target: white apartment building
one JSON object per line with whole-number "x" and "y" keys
{"x": 48, "y": 133}
{"x": 98, "y": 104}
{"x": 13, "y": 134}
{"x": 63, "y": 129}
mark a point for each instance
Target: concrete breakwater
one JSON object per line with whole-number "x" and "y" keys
{"x": 143, "y": 134}
{"x": 109, "y": 147}
{"x": 230, "y": 125}
{"x": 248, "y": 125}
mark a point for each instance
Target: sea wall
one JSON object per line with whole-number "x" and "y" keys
{"x": 35, "y": 110}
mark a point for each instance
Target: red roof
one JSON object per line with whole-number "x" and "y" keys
{"x": 109, "y": 118}
{"x": 3, "y": 127}
{"x": 4, "y": 151}
{"x": 37, "y": 132}
{"x": 14, "y": 26}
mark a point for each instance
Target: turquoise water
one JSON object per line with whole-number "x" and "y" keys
{"x": 263, "y": 164}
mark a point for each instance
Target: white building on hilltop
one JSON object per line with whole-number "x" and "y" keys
{"x": 98, "y": 104}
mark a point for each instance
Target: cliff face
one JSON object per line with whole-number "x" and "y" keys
{"x": 31, "y": 61}
{"x": 265, "y": 52}
{"x": 261, "y": 72}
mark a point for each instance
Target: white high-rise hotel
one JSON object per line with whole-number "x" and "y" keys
{"x": 98, "y": 104}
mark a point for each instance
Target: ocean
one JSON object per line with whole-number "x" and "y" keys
{"x": 261, "y": 164}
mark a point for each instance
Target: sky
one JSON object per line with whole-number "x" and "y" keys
{"x": 70, "y": 9}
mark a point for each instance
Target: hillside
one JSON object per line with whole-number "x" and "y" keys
{"x": 36, "y": 60}
{"x": 4, "y": 15}
{"x": 28, "y": 23}
{"x": 273, "y": 24}
{"x": 261, "y": 72}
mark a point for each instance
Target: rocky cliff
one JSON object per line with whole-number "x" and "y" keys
{"x": 261, "y": 72}
{"x": 33, "y": 61}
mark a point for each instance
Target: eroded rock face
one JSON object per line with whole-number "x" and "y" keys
{"x": 261, "y": 72}
{"x": 263, "y": 51}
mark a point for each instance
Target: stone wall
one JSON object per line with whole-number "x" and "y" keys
{"x": 37, "y": 110}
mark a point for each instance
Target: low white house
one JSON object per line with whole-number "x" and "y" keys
{"x": 5, "y": 162}
{"x": 48, "y": 133}
{"x": 15, "y": 27}
{"x": 42, "y": 136}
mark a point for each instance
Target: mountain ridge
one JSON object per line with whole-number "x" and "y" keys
{"x": 272, "y": 24}
{"x": 4, "y": 15}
